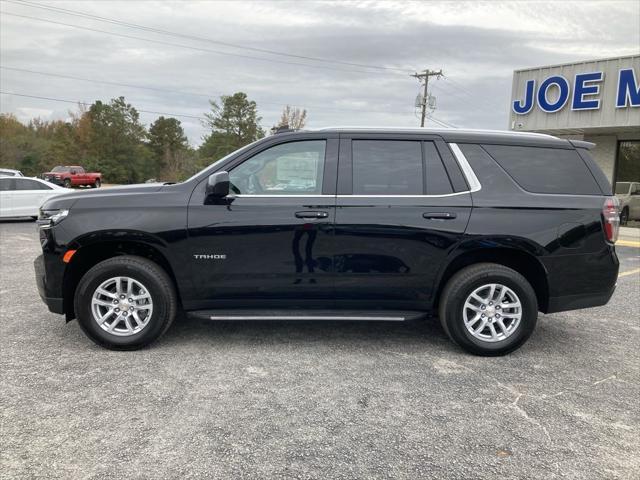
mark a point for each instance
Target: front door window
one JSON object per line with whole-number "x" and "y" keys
{"x": 288, "y": 169}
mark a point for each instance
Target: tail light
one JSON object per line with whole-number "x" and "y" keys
{"x": 611, "y": 217}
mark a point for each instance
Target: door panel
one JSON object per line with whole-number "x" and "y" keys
{"x": 388, "y": 252}
{"x": 6, "y": 203}
{"x": 264, "y": 250}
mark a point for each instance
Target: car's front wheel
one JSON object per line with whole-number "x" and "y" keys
{"x": 97, "y": 183}
{"x": 67, "y": 183}
{"x": 488, "y": 309}
{"x": 125, "y": 302}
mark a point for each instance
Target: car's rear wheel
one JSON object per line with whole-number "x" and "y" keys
{"x": 97, "y": 183}
{"x": 488, "y": 309}
{"x": 125, "y": 302}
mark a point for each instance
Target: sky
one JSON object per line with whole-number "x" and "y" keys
{"x": 346, "y": 63}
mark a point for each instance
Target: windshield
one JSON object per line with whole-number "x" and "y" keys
{"x": 622, "y": 188}
{"x": 60, "y": 169}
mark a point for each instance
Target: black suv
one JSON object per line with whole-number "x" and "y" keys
{"x": 484, "y": 228}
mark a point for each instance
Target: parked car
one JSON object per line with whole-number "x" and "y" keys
{"x": 22, "y": 197}
{"x": 73, "y": 176}
{"x": 8, "y": 172}
{"x": 484, "y": 228}
{"x": 628, "y": 194}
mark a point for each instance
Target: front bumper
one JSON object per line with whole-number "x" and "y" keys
{"x": 54, "y": 304}
{"x": 55, "y": 181}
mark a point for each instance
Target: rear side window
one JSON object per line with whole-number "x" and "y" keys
{"x": 26, "y": 184}
{"x": 437, "y": 179}
{"x": 7, "y": 184}
{"x": 545, "y": 170}
{"x": 382, "y": 167}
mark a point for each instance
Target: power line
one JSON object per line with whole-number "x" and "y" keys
{"x": 115, "y": 21}
{"x": 467, "y": 92}
{"x": 442, "y": 123}
{"x": 158, "y": 89}
{"x": 153, "y": 112}
{"x": 190, "y": 47}
{"x": 75, "y": 102}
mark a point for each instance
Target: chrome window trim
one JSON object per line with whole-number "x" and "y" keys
{"x": 404, "y": 196}
{"x": 467, "y": 171}
{"x": 348, "y": 196}
{"x": 266, "y": 195}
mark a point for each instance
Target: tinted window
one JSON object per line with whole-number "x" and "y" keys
{"x": 24, "y": 184}
{"x": 437, "y": 179}
{"x": 7, "y": 184}
{"x": 7, "y": 173}
{"x": 596, "y": 171}
{"x": 60, "y": 169}
{"x": 545, "y": 170}
{"x": 286, "y": 169}
{"x": 383, "y": 167}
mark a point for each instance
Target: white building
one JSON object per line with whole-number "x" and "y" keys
{"x": 597, "y": 101}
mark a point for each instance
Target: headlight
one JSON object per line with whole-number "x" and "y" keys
{"x": 49, "y": 218}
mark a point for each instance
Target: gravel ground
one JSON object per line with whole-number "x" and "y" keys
{"x": 315, "y": 400}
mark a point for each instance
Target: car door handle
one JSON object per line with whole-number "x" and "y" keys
{"x": 311, "y": 214}
{"x": 439, "y": 215}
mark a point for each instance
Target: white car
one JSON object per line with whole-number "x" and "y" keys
{"x": 8, "y": 172}
{"x": 22, "y": 196}
{"x": 628, "y": 194}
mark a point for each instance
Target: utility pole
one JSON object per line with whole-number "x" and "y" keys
{"x": 424, "y": 75}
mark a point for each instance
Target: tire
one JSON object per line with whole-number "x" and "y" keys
{"x": 158, "y": 287}
{"x": 477, "y": 279}
{"x": 624, "y": 216}
{"x": 67, "y": 183}
{"x": 96, "y": 184}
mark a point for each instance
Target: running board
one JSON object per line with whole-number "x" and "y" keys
{"x": 332, "y": 315}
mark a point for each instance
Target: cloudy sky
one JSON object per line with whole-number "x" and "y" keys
{"x": 347, "y": 63}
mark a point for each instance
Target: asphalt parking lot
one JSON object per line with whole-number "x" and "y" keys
{"x": 315, "y": 400}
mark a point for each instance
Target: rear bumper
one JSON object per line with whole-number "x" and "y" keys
{"x": 575, "y": 302}
{"x": 581, "y": 280}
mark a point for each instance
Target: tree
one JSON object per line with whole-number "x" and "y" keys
{"x": 292, "y": 118}
{"x": 233, "y": 125}
{"x": 115, "y": 143}
{"x": 169, "y": 144}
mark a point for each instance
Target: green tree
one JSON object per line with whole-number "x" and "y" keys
{"x": 115, "y": 143}
{"x": 234, "y": 124}
{"x": 169, "y": 146}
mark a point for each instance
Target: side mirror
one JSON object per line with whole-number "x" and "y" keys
{"x": 218, "y": 185}
{"x": 73, "y": 172}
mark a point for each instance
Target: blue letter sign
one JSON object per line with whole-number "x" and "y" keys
{"x": 563, "y": 96}
{"x": 628, "y": 89}
{"x": 586, "y": 84}
{"x": 529, "y": 90}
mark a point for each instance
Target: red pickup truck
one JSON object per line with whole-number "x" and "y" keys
{"x": 70, "y": 176}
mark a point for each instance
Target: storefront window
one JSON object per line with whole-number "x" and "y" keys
{"x": 627, "y": 187}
